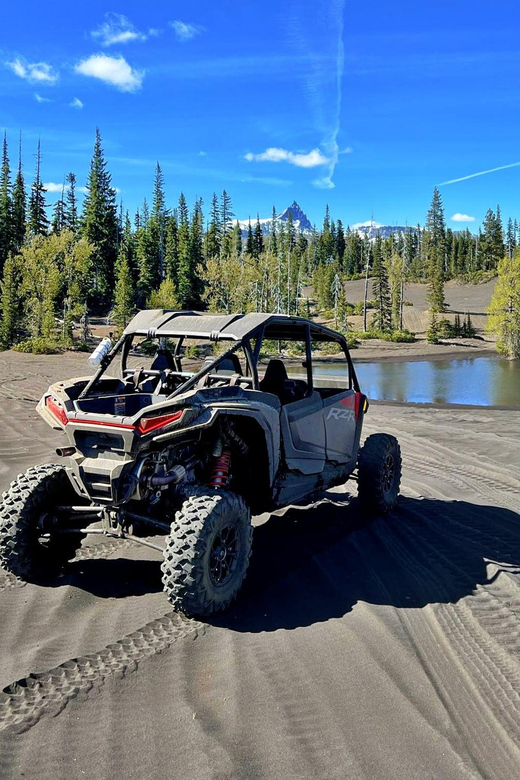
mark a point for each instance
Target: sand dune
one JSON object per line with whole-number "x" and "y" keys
{"x": 378, "y": 650}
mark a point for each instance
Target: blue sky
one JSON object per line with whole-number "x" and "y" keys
{"x": 365, "y": 106}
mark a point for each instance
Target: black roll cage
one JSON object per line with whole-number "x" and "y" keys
{"x": 252, "y": 354}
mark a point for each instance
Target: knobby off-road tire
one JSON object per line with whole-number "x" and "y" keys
{"x": 379, "y": 473}
{"x": 31, "y": 495}
{"x": 207, "y": 552}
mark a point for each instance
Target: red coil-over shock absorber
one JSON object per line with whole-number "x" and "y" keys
{"x": 220, "y": 472}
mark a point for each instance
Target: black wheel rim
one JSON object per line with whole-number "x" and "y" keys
{"x": 223, "y": 555}
{"x": 388, "y": 473}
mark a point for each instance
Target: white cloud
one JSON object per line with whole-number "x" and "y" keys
{"x": 274, "y": 154}
{"x": 202, "y": 154}
{"x": 346, "y": 150}
{"x": 76, "y": 103}
{"x": 112, "y": 70}
{"x": 40, "y": 99}
{"x": 185, "y": 31}
{"x": 34, "y": 72}
{"x": 462, "y": 218}
{"x": 118, "y": 29}
{"x": 52, "y": 186}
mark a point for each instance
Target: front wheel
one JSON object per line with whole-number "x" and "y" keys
{"x": 25, "y": 549}
{"x": 379, "y": 473}
{"x": 207, "y": 552}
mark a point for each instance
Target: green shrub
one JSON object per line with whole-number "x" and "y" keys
{"x": 400, "y": 336}
{"x": 445, "y": 329}
{"x": 38, "y": 346}
{"x": 352, "y": 342}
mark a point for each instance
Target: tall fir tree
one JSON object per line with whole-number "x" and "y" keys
{"x": 236, "y": 241}
{"x": 491, "y": 245}
{"x": 214, "y": 232}
{"x": 226, "y": 224}
{"x": 171, "y": 251}
{"x": 186, "y": 282}
{"x": 146, "y": 257}
{"x": 38, "y": 222}
{"x": 258, "y": 239}
{"x": 70, "y": 211}
{"x": 100, "y": 225}
{"x": 58, "y": 214}
{"x": 510, "y": 238}
{"x": 250, "y": 241}
{"x": 19, "y": 204}
{"x": 197, "y": 253}
{"x": 157, "y": 226}
{"x": 6, "y": 207}
{"x": 434, "y": 250}
{"x": 382, "y": 319}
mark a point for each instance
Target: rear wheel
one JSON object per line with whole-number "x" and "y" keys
{"x": 379, "y": 473}
{"x": 207, "y": 552}
{"x": 28, "y": 548}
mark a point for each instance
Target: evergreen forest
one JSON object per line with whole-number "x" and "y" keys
{"x": 65, "y": 262}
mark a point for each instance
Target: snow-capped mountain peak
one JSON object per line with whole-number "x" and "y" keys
{"x": 299, "y": 217}
{"x": 300, "y": 220}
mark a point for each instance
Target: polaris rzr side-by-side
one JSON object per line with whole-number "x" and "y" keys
{"x": 196, "y": 429}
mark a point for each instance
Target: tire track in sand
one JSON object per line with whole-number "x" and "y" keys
{"x": 24, "y": 702}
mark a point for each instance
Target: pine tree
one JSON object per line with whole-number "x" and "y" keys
{"x": 38, "y": 222}
{"x": 457, "y": 326}
{"x": 197, "y": 253}
{"x": 226, "y": 222}
{"x": 19, "y": 205}
{"x": 186, "y": 274}
{"x": 339, "y": 244}
{"x": 171, "y": 253}
{"x": 434, "y": 250}
{"x": 491, "y": 248}
{"x": 157, "y": 227}
{"x": 236, "y": 241}
{"x": 250, "y": 241}
{"x": 146, "y": 259}
{"x": 9, "y": 303}
{"x": 258, "y": 240}
{"x": 58, "y": 214}
{"x": 382, "y": 319}
{"x": 510, "y": 238}
{"x": 70, "y": 211}
{"x": 6, "y": 207}
{"x": 214, "y": 233}
{"x": 100, "y": 225}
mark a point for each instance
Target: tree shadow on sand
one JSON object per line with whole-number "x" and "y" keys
{"x": 312, "y": 565}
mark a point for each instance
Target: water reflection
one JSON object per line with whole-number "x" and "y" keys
{"x": 483, "y": 381}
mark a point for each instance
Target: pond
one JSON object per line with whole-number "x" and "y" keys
{"x": 483, "y": 381}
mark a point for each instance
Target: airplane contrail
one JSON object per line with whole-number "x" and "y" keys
{"x": 480, "y": 173}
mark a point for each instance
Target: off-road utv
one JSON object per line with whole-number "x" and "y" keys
{"x": 199, "y": 429}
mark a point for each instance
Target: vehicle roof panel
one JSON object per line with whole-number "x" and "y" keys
{"x": 162, "y": 322}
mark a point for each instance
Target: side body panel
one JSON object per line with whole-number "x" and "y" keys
{"x": 303, "y": 434}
